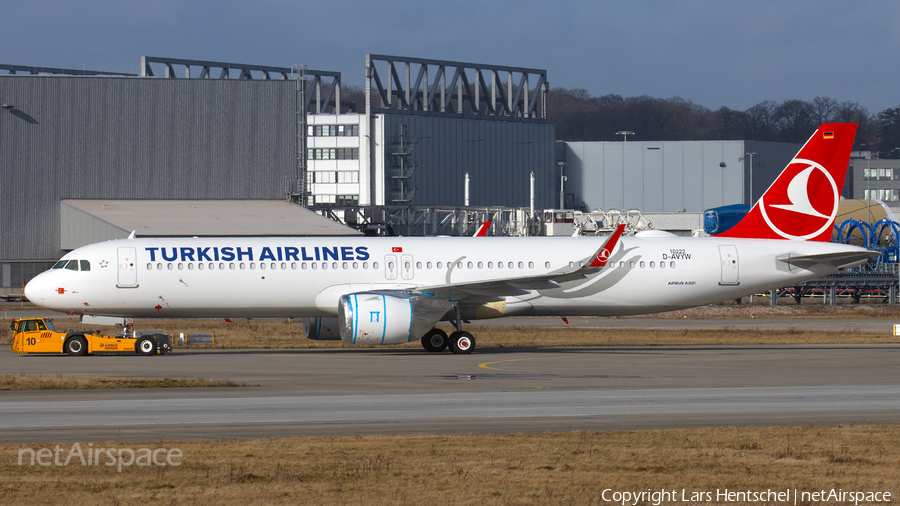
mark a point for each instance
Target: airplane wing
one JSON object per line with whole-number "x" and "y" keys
{"x": 520, "y": 285}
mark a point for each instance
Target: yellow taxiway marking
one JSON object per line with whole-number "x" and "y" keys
{"x": 487, "y": 365}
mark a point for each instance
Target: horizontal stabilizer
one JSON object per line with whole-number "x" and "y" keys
{"x": 839, "y": 259}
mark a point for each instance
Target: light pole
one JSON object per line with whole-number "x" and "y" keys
{"x": 625, "y": 134}
{"x": 562, "y": 182}
{"x": 750, "y": 155}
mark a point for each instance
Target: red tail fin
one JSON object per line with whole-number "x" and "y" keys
{"x": 803, "y": 201}
{"x": 483, "y": 229}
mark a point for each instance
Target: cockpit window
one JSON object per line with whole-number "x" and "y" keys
{"x": 72, "y": 265}
{"x": 60, "y": 264}
{"x": 85, "y": 265}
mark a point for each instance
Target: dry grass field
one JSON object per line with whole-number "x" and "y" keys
{"x": 59, "y": 382}
{"x": 289, "y": 333}
{"x": 524, "y": 469}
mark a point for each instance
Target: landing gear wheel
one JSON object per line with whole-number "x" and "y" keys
{"x": 461, "y": 342}
{"x": 76, "y": 346}
{"x": 435, "y": 340}
{"x": 146, "y": 346}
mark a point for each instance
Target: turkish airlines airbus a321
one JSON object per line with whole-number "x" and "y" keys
{"x": 388, "y": 290}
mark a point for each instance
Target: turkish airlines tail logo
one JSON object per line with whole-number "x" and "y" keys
{"x": 803, "y": 201}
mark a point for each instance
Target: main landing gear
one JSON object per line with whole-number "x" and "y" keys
{"x": 459, "y": 342}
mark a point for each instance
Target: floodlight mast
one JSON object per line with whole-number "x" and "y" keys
{"x": 300, "y": 194}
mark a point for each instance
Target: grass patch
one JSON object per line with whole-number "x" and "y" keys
{"x": 59, "y": 382}
{"x": 569, "y": 468}
{"x": 286, "y": 334}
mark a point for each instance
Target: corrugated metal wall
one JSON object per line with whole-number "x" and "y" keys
{"x": 671, "y": 176}
{"x": 498, "y": 155}
{"x": 125, "y": 138}
{"x": 656, "y": 176}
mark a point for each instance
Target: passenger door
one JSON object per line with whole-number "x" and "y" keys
{"x": 127, "y": 268}
{"x": 730, "y": 266}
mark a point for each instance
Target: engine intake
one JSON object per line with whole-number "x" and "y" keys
{"x": 388, "y": 317}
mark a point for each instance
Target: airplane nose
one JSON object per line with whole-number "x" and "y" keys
{"x": 37, "y": 290}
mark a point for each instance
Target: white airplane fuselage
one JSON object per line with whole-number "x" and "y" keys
{"x": 305, "y": 277}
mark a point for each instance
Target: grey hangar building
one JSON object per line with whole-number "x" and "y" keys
{"x": 198, "y": 148}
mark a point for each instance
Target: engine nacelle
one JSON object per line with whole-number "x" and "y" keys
{"x": 389, "y": 317}
{"x": 322, "y": 329}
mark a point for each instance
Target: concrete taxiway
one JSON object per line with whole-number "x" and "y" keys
{"x": 405, "y": 390}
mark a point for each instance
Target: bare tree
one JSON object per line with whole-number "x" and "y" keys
{"x": 795, "y": 120}
{"x": 824, "y": 109}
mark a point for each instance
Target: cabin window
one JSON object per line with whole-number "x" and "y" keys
{"x": 243, "y": 266}
{"x": 642, "y": 264}
{"x": 355, "y": 265}
{"x": 652, "y": 265}
{"x": 531, "y": 265}
{"x": 303, "y": 266}
{"x": 262, "y": 266}
{"x": 439, "y": 265}
{"x": 294, "y": 265}
{"x": 324, "y": 265}
{"x": 459, "y": 265}
{"x": 418, "y": 265}
{"x": 149, "y": 266}
{"x": 170, "y": 266}
{"x": 190, "y": 267}
{"x": 345, "y": 265}
{"x": 631, "y": 265}
{"x": 334, "y": 265}
{"x": 672, "y": 264}
{"x": 510, "y": 265}
{"x": 283, "y": 266}
{"x": 499, "y": 265}
{"x": 231, "y": 266}
{"x": 490, "y": 265}
{"x": 313, "y": 265}
{"x": 212, "y": 266}
{"x": 180, "y": 266}
{"x": 201, "y": 266}
{"x": 469, "y": 265}
{"x": 159, "y": 267}
{"x": 374, "y": 265}
{"x": 546, "y": 265}
{"x": 662, "y": 265}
